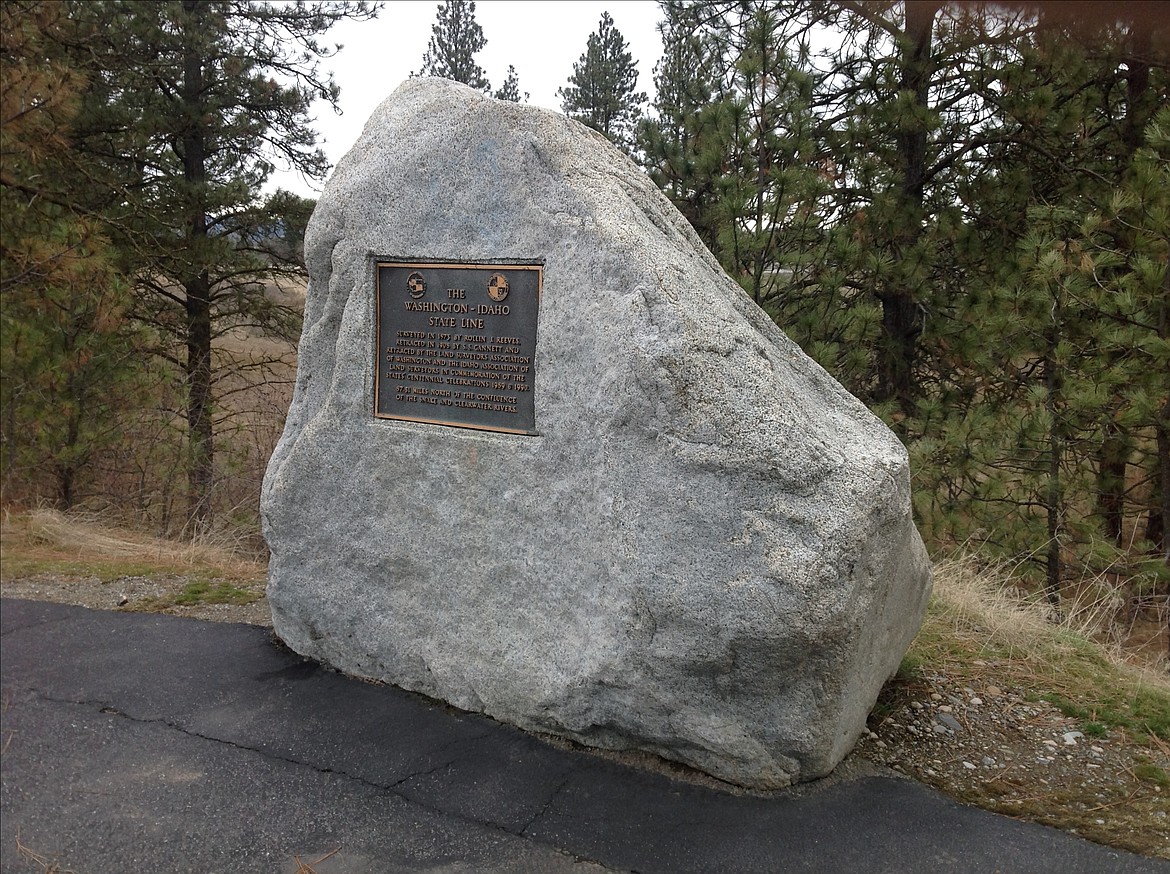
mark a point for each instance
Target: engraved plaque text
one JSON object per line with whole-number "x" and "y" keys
{"x": 456, "y": 344}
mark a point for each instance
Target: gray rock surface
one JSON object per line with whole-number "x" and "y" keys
{"x": 705, "y": 553}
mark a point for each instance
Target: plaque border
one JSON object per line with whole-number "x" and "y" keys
{"x": 440, "y": 263}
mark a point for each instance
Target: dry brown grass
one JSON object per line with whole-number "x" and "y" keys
{"x": 1019, "y": 677}
{"x": 48, "y": 865}
{"x": 48, "y": 536}
{"x": 979, "y": 615}
{"x": 304, "y": 867}
{"x": 985, "y": 604}
{"x": 982, "y": 606}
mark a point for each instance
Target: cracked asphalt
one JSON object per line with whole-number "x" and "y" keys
{"x": 147, "y": 742}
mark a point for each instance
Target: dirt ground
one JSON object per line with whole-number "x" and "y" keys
{"x": 994, "y": 746}
{"x": 999, "y": 748}
{"x": 137, "y": 594}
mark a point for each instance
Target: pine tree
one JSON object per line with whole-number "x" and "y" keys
{"x": 510, "y": 90}
{"x": 455, "y": 38}
{"x": 680, "y": 143}
{"x": 184, "y": 118}
{"x": 1084, "y": 374}
{"x": 879, "y": 93}
{"x": 987, "y": 261}
{"x": 601, "y": 91}
{"x": 771, "y": 205}
{"x": 1037, "y": 416}
{"x": 70, "y": 364}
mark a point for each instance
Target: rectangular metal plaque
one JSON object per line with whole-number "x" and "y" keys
{"x": 456, "y": 344}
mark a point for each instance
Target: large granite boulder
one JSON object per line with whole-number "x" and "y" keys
{"x": 705, "y": 551}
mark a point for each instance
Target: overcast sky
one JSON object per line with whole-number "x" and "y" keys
{"x": 541, "y": 38}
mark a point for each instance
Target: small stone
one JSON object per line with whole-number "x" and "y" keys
{"x": 1070, "y": 738}
{"x": 994, "y": 691}
{"x": 917, "y": 705}
{"x": 123, "y": 600}
{"x": 979, "y": 662}
{"x": 988, "y": 761}
{"x": 949, "y": 721}
{"x": 976, "y": 701}
{"x": 938, "y": 729}
{"x": 969, "y": 766}
{"x": 1095, "y": 767}
{"x": 881, "y": 745}
{"x": 1096, "y": 749}
{"x": 1050, "y": 743}
{"x": 934, "y": 696}
{"x": 946, "y": 708}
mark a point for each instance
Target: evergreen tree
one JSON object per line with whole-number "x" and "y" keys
{"x": 70, "y": 363}
{"x": 280, "y": 231}
{"x": 455, "y": 38}
{"x": 511, "y": 88}
{"x": 1033, "y": 411}
{"x": 772, "y": 220}
{"x": 601, "y": 91}
{"x": 184, "y": 117}
{"x": 680, "y": 143}
{"x": 1079, "y": 369}
{"x": 879, "y": 93}
{"x": 984, "y": 258}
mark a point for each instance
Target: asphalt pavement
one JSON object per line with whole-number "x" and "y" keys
{"x": 135, "y": 742}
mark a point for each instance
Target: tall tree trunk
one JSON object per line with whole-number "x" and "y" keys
{"x": 901, "y": 323}
{"x": 66, "y": 471}
{"x": 1158, "y": 521}
{"x": 1117, "y": 444}
{"x": 66, "y": 479}
{"x": 200, "y": 458}
{"x": 1112, "y": 461}
{"x": 901, "y": 328}
{"x": 1054, "y": 491}
{"x": 1140, "y": 103}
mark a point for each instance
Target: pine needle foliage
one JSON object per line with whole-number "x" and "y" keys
{"x": 456, "y": 37}
{"x": 601, "y": 92}
{"x": 166, "y": 120}
{"x": 960, "y": 210}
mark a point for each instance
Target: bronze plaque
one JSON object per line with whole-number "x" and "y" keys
{"x": 456, "y": 344}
